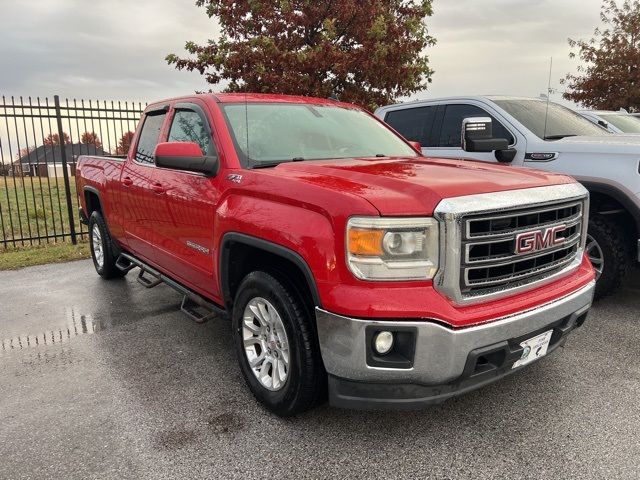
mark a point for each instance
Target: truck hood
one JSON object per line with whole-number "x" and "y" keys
{"x": 616, "y": 143}
{"x": 414, "y": 185}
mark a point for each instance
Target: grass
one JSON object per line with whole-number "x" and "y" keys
{"x": 14, "y": 258}
{"x": 33, "y": 207}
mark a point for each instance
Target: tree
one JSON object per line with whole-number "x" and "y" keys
{"x": 24, "y": 152}
{"x": 363, "y": 51}
{"x": 124, "y": 143}
{"x": 91, "y": 138}
{"x": 609, "y": 78}
{"x": 54, "y": 139}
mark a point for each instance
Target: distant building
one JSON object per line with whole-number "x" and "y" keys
{"x": 46, "y": 161}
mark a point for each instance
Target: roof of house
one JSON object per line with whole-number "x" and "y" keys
{"x": 45, "y": 154}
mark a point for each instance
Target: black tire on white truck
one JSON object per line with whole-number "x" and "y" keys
{"x": 607, "y": 248}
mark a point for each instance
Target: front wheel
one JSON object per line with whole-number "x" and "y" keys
{"x": 276, "y": 346}
{"x": 607, "y": 249}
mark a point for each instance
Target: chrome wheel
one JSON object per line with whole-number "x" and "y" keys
{"x": 265, "y": 343}
{"x": 595, "y": 254}
{"x": 96, "y": 243}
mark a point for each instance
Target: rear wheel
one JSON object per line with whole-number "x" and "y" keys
{"x": 276, "y": 346}
{"x": 607, "y": 249}
{"x": 102, "y": 250}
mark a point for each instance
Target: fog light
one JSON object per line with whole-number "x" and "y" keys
{"x": 383, "y": 342}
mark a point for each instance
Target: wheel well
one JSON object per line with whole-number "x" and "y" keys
{"x": 92, "y": 201}
{"x": 239, "y": 259}
{"x": 606, "y": 205}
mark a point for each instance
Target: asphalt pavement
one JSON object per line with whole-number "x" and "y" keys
{"x": 106, "y": 379}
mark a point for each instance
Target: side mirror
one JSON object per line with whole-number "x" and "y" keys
{"x": 416, "y": 146}
{"x": 506, "y": 155}
{"x": 477, "y": 136}
{"x": 185, "y": 156}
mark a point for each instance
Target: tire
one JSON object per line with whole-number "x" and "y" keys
{"x": 102, "y": 250}
{"x": 290, "y": 378}
{"x": 607, "y": 248}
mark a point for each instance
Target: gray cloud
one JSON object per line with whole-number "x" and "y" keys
{"x": 108, "y": 49}
{"x": 504, "y": 46}
{"x": 116, "y": 48}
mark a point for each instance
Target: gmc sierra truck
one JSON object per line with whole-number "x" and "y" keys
{"x": 547, "y": 136}
{"x": 349, "y": 264}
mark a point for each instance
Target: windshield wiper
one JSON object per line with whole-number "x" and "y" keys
{"x": 559, "y": 137}
{"x": 275, "y": 164}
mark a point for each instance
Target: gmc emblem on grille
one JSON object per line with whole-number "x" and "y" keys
{"x": 536, "y": 240}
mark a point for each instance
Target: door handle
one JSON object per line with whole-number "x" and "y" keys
{"x": 127, "y": 182}
{"x": 157, "y": 188}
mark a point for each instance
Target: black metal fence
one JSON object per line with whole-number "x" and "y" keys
{"x": 40, "y": 141}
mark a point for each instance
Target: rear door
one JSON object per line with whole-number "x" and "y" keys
{"x": 185, "y": 205}
{"x": 137, "y": 198}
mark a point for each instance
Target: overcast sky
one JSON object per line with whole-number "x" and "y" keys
{"x": 115, "y": 49}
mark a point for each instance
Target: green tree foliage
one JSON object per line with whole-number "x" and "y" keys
{"x": 609, "y": 77}
{"x": 368, "y": 52}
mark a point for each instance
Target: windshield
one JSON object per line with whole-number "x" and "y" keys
{"x": 626, "y": 123}
{"x": 283, "y": 132}
{"x": 560, "y": 121}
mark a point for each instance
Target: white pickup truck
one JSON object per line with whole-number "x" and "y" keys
{"x": 546, "y": 136}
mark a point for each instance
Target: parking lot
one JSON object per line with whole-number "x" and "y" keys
{"x": 110, "y": 380}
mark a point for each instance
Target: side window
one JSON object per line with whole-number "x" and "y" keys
{"x": 149, "y": 137}
{"x": 189, "y": 126}
{"x": 451, "y": 131}
{"x": 414, "y": 124}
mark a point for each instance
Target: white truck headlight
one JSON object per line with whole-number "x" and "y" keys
{"x": 381, "y": 248}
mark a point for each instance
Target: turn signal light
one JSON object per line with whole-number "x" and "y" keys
{"x": 365, "y": 242}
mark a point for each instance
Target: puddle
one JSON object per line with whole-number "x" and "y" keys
{"x": 77, "y": 325}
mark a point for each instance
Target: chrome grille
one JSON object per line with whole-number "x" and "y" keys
{"x": 489, "y": 257}
{"x": 478, "y": 234}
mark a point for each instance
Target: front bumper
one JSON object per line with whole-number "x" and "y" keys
{"x": 445, "y": 362}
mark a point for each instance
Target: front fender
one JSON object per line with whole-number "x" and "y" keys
{"x": 306, "y": 237}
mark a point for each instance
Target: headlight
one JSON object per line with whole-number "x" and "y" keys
{"x": 392, "y": 248}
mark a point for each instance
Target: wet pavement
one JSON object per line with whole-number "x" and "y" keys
{"x": 109, "y": 380}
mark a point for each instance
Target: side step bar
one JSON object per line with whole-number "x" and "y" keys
{"x": 193, "y": 305}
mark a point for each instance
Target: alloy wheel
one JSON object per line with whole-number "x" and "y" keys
{"x": 595, "y": 254}
{"x": 266, "y": 345}
{"x": 96, "y": 242}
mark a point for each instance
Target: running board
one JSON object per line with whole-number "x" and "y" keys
{"x": 193, "y": 305}
{"x": 146, "y": 282}
{"x": 195, "y": 311}
{"x": 124, "y": 264}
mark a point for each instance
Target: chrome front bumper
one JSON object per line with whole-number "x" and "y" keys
{"x": 441, "y": 353}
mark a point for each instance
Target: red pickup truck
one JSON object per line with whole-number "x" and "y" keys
{"x": 347, "y": 262}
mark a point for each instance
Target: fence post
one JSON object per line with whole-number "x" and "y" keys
{"x": 65, "y": 174}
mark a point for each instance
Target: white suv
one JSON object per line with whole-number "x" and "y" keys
{"x": 551, "y": 137}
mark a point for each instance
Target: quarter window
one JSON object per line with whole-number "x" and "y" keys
{"x": 149, "y": 137}
{"x": 451, "y": 131}
{"x": 189, "y": 126}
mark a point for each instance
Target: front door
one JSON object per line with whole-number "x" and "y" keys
{"x": 185, "y": 206}
{"x": 447, "y": 142}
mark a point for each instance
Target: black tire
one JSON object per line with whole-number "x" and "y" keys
{"x": 107, "y": 267}
{"x": 611, "y": 240}
{"x": 305, "y": 385}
